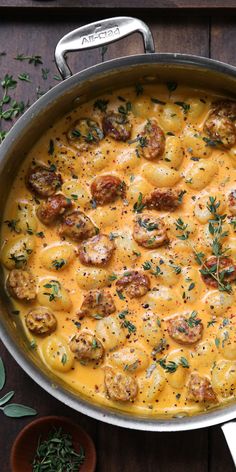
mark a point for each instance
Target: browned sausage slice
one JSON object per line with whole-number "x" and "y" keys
{"x": 232, "y": 202}
{"x": 21, "y": 285}
{"x": 51, "y": 209}
{"x": 43, "y": 181}
{"x": 41, "y": 321}
{"x": 120, "y": 387}
{"x": 84, "y": 133}
{"x": 220, "y": 124}
{"x": 151, "y": 141}
{"x": 97, "y": 250}
{"x": 149, "y": 231}
{"x": 86, "y": 346}
{"x": 135, "y": 283}
{"x": 77, "y": 226}
{"x": 107, "y": 188}
{"x": 162, "y": 200}
{"x": 117, "y": 126}
{"x": 97, "y": 304}
{"x": 185, "y": 330}
{"x": 200, "y": 389}
{"x": 226, "y": 271}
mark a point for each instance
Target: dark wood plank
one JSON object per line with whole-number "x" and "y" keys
{"x": 223, "y": 34}
{"x": 219, "y": 455}
{"x": 117, "y": 4}
{"x": 144, "y": 451}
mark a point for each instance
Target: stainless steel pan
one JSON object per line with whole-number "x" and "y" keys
{"x": 145, "y": 68}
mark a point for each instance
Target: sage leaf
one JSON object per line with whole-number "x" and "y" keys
{"x": 6, "y": 398}
{"x": 2, "y": 374}
{"x": 15, "y": 410}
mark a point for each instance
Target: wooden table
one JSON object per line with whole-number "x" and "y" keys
{"x": 34, "y": 27}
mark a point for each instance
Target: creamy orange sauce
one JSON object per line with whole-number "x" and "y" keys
{"x": 177, "y": 289}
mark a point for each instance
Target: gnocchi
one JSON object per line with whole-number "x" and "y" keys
{"x": 118, "y": 249}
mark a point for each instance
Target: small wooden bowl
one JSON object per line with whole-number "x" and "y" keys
{"x": 24, "y": 447}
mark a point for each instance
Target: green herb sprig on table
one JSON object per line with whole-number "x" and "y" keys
{"x": 35, "y": 60}
{"x": 12, "y": 410}
{"x": 57, "y": 454}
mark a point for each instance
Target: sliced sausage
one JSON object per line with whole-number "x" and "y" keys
{"x": 96, "y": 251}
{"x": 41, "y": 321}
{"x": 107, "y": 188}
{"x": 226, "y": 271}
{"x": 232, "y": 202}
{"x": 185, "y": 330}
{"x": 43, "y": 181}
{"x": 226, "y": 108}
{"x": 97, "y": 303}
{"x": 117, "y": 126}
{"x": 85, "y": 346}
{"x": 77, "y": 226}
{"x": 162, "y": 200}
{"x": 220, "y": 124}
{"x": 151, "y": 141}
{"x": 84, "y": 133}
{"x": 120, "y": 387}
{"x": 135, "y": 283}
{"x": 51, "y": 209}
{"x": 21, "y": 285}
{"x": 149, "y": 232}
{"x": 200, "y": 389}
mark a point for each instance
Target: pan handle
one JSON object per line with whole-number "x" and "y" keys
{"x": 229, "y": 430}
{"x": 99, "y": 34}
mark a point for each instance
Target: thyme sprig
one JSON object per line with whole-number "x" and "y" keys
{"x": 215, "y": 227}
{"x": 57, "y": 453}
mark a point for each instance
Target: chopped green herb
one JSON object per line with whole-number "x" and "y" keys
{"x": 185, "y": 106}
{"x": 125, "y": 109}
{"x": 130, "y": 326}
{"x": 211, "y": 142}
{"x": 112, "y": 277}
{"x": 138, "y": 89}
{"x": 113, "y": 236}
{"x": 54, "y": 286}
{"x": 211, "y": 323}
{"x": 139, "y": 206}
{"x": 64, "y": 359}
{"x": 45, "y": 73}
{"x": 12, "y": 225}
{"x": 58, "y": 263}
{"x": 171, "y": 86}
{"x": 169, "y": 367}
{"x": 157, "y": 101}
{"x": 147, "y": 265}
{"x": 35, "y": 60}
{"x": 191, "y": 286}
{"x": 145, "y": 223}
{"x": 24, "y": 77}
{"x": 184, "y": 362}
{"x": 120, "y": 295}
{"x": 101, "y": 105}
{"x": 40, "y": 234}
{"x": 51, "y": 147}
{"x": 123, "y": 314}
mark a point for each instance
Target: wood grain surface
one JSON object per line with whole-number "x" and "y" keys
{"x": 207, "y": 34}
{"x": 117, "y": 4}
